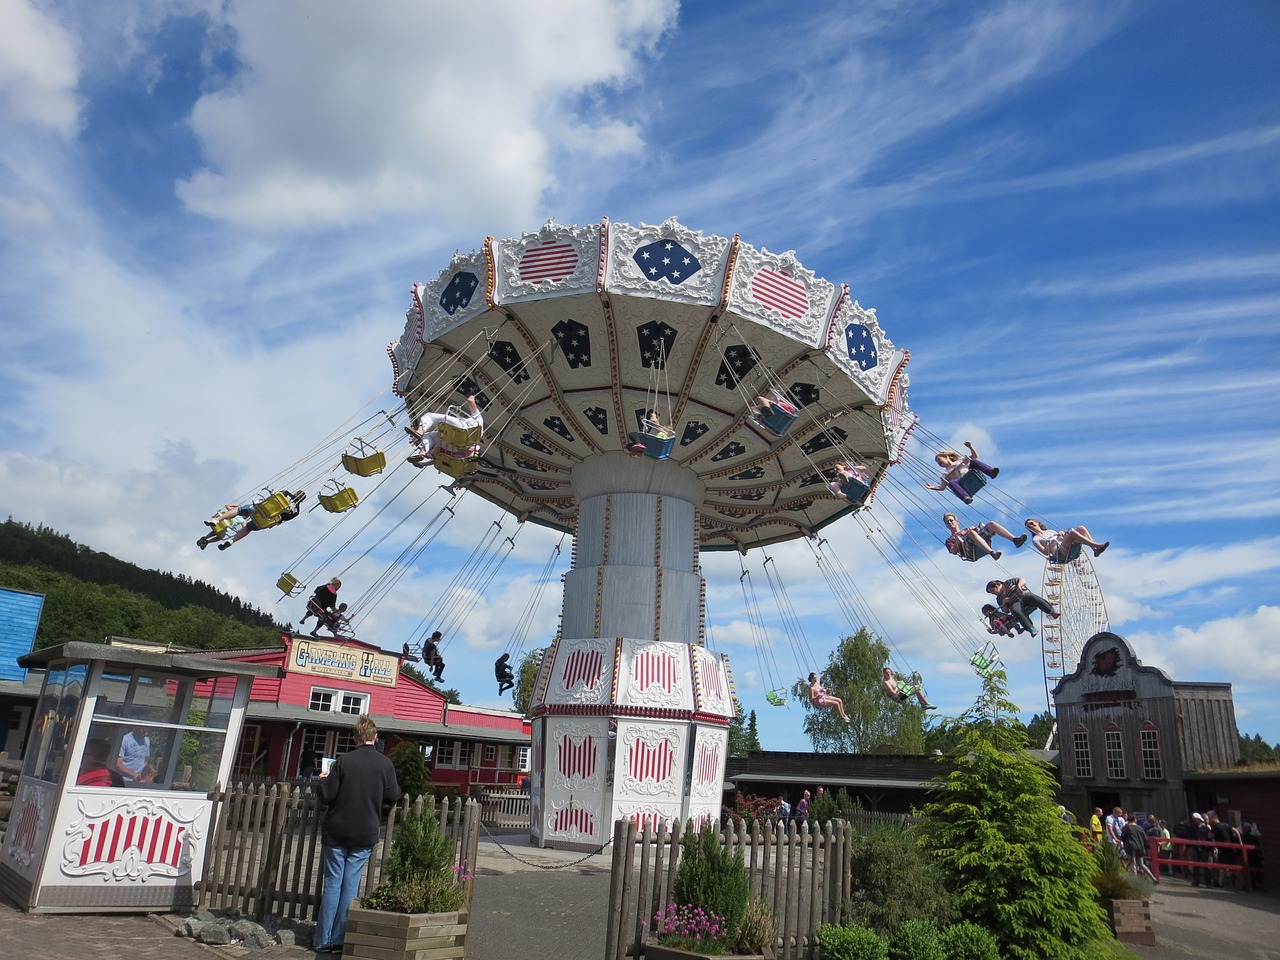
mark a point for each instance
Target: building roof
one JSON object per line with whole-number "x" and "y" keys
{"x": 179, "y": 663}
{"x": 268, "y": 711}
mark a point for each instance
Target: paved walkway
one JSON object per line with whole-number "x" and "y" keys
{"x": 553, "y": 905}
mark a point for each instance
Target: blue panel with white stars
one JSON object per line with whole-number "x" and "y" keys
{"x": 505, "y": 355}
{"x": 574, "y": 340}
{"x": 739, "y": 360}
{"x": 458, "y": 291}
{"x": 656, "y": 340}
{"x": 666, "y": 260}
{"x": 860, "y": 345}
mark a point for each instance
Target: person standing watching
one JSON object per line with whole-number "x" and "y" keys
{"x": 355, "y": 788}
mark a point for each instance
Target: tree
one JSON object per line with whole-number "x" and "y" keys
{"x": 1011, "y": 863}
{"x": 1039, "y": 730}
{"x": 527, "y": 679}
{"x": 877, "y": 724}
{"x": 1255, "y": 750}
{"x": 743, "y": 737}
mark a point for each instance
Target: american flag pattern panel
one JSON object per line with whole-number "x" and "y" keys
{"x": 684, "y": 265}
{"x": 582, "y": 673}
{"x": 576, "y": 758}
{"x": 556, "y": 259}
{"x": 774, "y": 290}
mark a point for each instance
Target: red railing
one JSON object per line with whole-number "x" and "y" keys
{"x": 1178, "y": 858}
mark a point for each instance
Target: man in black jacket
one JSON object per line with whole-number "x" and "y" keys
{"x": 356, "y": 787}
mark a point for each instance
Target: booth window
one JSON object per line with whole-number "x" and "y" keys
{"x": 54, "y": 718}
{"x": 1152, "y": 767}
{"x": 1080, "y": 748}
{"x": 152, "y": 730}
{"x": 1115, "y": 752}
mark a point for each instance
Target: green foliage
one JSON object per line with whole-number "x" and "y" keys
{"x": 851, "y": 943}
{"x": 90, "y": 595}
{"x": 968, "y": 941}
{"x": 527, "y": 679}
{"x": 895, "y": 880}
{"x": 417, "y": 873}
{"x": 1011, "y": 863}
{"x": 1110, "y": 878}
{"x": 708, "y": 877}
{"x": 915, "y": 940}
{"x": 411, "y": 769}
{"x": 1256, "y": 750}
{"x": 877, "y": 724}
{"x": 744, "y": 736}
{"x": 822, "y": 807}
{"x": 759, "y": 927}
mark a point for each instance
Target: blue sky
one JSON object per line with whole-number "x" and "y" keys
{"x": 211, "y": 214}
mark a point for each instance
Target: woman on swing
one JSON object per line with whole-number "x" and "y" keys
{"x": 653, "y": 427}
{"x": 819, "y": 697}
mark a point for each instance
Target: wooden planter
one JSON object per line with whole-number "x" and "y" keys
{"x": 382, "y": 935}
{"x": 656, "y": 951}
{"x": 1130, "y": 920}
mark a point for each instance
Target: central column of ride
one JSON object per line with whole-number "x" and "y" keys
{"x": 631, "y": 711}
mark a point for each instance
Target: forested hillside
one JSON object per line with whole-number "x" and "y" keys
{"x": 91, "y": 595}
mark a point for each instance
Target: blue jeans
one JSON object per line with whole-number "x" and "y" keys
{"x": 342, "y": 867}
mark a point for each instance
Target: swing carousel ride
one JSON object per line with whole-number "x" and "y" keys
{"x": 655, "y": 392}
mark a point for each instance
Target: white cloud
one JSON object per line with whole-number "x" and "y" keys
{"x": 401, "y": 108}
{"x": 38, "y": 69}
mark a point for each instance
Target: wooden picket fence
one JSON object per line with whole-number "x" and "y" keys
{"x": 263, "y": 857}
{"x": 803, "y": 871}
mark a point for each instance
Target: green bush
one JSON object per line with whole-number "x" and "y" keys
{"x": 708, "y": 877}
{"x": 759, "y": 928}
{"x": 417, "y": 873}
{"x": 968, "y": 941}
{"x": 851, "y": 943}
{"x": 894, "y": 879}
{"x": 1112, "y": 880}
{"x": 411, "y": 769}
{"x": 915, "y": 940}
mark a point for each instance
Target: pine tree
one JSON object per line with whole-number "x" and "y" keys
{"x": 1011, "y": 862}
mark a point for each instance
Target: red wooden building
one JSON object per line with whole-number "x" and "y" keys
{"x": 326, "y": 684}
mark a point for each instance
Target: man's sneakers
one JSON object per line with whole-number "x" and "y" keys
{"x": 996, "y": 554}
{"x": 225, "y": 546}
{"x": 930, "y": 706}
{"x": 201, "y": 544}
{"x": 1020, "y": 539}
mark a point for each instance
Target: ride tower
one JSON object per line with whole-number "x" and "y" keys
{"x": 762, "y": 378}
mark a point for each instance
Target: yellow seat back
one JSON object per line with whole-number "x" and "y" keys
{"x": 365, "y": 464}
{"x": 288, "y": 585}
{"x": 455, "y": 467}
{"x": 339, "y": 500}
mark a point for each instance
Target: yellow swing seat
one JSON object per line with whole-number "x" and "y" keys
{"x": 339, "y": 500}
{"x": 455, "y": 466}
{"x": 363, "y": 460}
{"x": 267, "y": 512}
{"x": 458, "y": 437}
{"x": 288, "y": 585}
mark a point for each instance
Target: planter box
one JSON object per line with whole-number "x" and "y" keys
{"x": 381, "y": 935}
{"x": 1131, "y": 921}
{"x": 656, "y": 951}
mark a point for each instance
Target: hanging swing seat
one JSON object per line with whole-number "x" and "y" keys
{"x": 363, "y": 460}
{"x": 460, "y": 430}
{"x": 1071, "y": 555}
{"x": 972, "y": 482}
{"x": 985, "y": 665}
{"x": 455, "y": 464}
{"x": 288, "y": 585}
{"x": 775, "y": 698}
{"x": 854, "y": 490}
{"x": 782, "y": 414}
{"x": 338, "y": 499}
{"x": 266, "y": 513}
{"x": 658, "y": 448}
{"x": 219, "y": 527}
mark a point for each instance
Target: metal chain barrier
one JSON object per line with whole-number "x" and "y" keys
{"x": 544, "y": 866}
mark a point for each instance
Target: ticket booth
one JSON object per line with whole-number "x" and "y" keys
{"x": 112, "y": 809}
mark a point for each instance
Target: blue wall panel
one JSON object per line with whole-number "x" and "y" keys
{"x": 19, "y": 619}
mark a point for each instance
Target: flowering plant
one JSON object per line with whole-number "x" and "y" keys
{"x": 692, "y": 928}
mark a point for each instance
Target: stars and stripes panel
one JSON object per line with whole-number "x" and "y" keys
{"x": 158, "y": 840}
{"x": 552, "y": 260}
{"x": 775, "y": 290}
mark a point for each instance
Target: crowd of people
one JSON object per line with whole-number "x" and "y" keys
{"x": 1196, "y": 845}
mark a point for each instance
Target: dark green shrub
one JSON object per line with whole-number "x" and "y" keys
{"x": 968, "y": 941}
{"x": 894, "y": 879}
{"x": 708, "y": 877}
{"x": 822, "y": 808}
{"x": 915, "y": 940}
{"x": 417, "y": 873}
{"x": 411, "y": 769}
{"x": 851, "y": 943}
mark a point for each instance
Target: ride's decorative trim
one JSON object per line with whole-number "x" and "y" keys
{"x": 617, "y": 672}
{"x": 491, "y": 279}
{"x": 544, "y": 672}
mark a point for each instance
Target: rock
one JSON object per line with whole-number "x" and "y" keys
{"x": 214, "y": 934}
{"x": 286, "y": 938}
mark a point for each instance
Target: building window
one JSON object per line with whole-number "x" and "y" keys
{"x": 523, "y": 763}
{"x": 1115, "y": 752}
{"x": 447, "y": 754}
{"x": 1080, "y": 745}
{"x": 1152, "y": 768}
{"x": 490, "y": 753}
{"x": 338, "y": 701}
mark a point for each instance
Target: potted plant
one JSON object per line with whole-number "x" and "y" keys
{"x": 712, "y": 912}
{"x": 1125, "y": 898}
{"x": 421, "y": 903}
